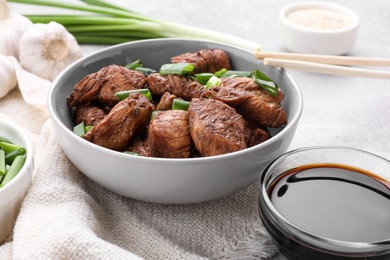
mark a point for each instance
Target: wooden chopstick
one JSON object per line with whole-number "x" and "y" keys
{"x": 326, "y": 68}
{"x": 326, "y": 59}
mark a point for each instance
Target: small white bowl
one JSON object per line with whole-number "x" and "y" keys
{"x": 313, "y": 38}
{"x": 13, "y": 193}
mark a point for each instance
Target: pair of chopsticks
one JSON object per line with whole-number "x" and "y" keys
{"x": 326, "y": 64}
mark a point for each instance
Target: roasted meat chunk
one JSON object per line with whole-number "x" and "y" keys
{"x": 124, "y": 120}
{"x": 251, "y": 101}
{"x": 103, "y": 84}
{"x": 216, "y": 128}
{"x": 166, "y": 101}
{"x": 89, "y": 114}
{"x": 177, "y": 85}
{"x": 169, "y": 134}
{"x": 205, "y": 60}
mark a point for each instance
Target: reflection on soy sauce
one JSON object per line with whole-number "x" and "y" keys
{"x": 335, "y": 201}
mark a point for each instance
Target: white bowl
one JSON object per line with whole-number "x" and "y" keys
{"x": 168, "y": 180}
{"x": 306, "y": 39}
{"x": 13, "y": 193}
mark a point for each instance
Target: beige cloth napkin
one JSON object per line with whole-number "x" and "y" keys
{"x": 65, "y": 215}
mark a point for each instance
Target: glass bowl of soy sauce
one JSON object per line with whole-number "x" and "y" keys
{"x": 328, "y": 203}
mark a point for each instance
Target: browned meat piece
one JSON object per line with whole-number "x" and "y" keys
{"x": 103, "y": 84}
{"x": 177, "y": 85}
{"x": 216, "y": 128}
{"x": 89, "y": 114}
{"x": 258, "y": 136}
{"x": 124, "y": 120}
{"x": 251, "y": 101}
{"x": 169, "y": 134}
{"x": 205, "y": 60}
{"x": 140, "y": 147}
{"x": 166, "y": 101}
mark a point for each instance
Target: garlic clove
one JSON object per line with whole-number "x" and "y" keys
{"x": 7, "y": 75}
{"x": 47, "y": 49}
{"x": 12, "y": 26}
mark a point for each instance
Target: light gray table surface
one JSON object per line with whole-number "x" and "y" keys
{"x": 337, "y": 110}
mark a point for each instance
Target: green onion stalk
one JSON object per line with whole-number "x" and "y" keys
{"x": 106, "y": 23}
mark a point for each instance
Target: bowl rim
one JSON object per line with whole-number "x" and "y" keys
{"x": 22, "y": 134}
{"x": 54, "y": 115}
{"x": 303, "y": 235}
{"x": 321, "y": 5}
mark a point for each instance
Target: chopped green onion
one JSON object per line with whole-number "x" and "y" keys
{"x": 16, "y": 166}
{"x": 202, "y": 78}
{"x": 220, "y": 73}
{"x": 134, "y": 65}
{"x": 265, "y": 82}
{"x": 10, "y": 157}
{"x": 79, "y": 129}
{"x": 8, "y": 147}
{"x": 179, "y": 104}
{"x": 87, "y": 128}
{"x": 124, "y": 94}
{"x": 131, "y": 153}
{"x": 177, "y": 69}
{"x": 154, "y": 114}
{"x": 213, "y": 82}
{"x": 145, "y": 71}
{"x": 236, "y": 73}
{"x": 2, "y": 162}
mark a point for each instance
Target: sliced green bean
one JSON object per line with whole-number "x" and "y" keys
{"x": 177, "y": 69}
{"x": 79, "y": 129}
{"x": 8, "y": 147}
{"x": 124, "y": 94}
{"x": 2, "y": 163}
{"x": 10, "y": 157}
{"x": 179, "y": 104}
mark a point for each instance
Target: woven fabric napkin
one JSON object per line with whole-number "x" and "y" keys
{"x": 65, "y": 215}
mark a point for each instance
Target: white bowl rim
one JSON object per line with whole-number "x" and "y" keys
{"x": 29, "y": 155}
{"x": 323, "y": 5}
{"x": 294, "y": 120}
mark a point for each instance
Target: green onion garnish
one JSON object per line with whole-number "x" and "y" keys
{"x": 202, "y": 78}
{"x": 16, "y": 165}
{"x": 124, "y": 94}
{"x": 265, "y": 82}
{"x": 145, "y": 71}
{"x": 213, "y": 82}
{"x": 220, "y": 73}
{"x": 154, "y": 114}
{"x": 131, "y": 153}
{"x": 236, "y": 73}
{"x": 79, "y": 129}
{"x": 2, "y": 162}
{"x": 87, "y": 128}
{"x": 177, "y": 69}
{"x": 134, "y": 65}
{"x": 179, "y": 104}
{"x": 10, "y": 157}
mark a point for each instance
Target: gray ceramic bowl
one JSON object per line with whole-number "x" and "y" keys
{"x": 169, "y": 180}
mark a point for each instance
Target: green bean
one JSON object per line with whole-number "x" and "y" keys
{"x": 16, "y": 166}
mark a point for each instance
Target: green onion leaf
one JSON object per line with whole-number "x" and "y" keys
{"x": 79, "y": 129}
{"x": 145, "y": 71}
{"x": 220, "y": 73}
{"x": 8, "y": 147}
{"x": 202, "y": 78}
{"x": 10, "y": 157}
{"x": 179, "y": 104}
{"x": 124, "y": 94}
{"x": 265, "y": 83}
{"x": 177, "y": 69}
{"x": 236, "y": 73}
{"x": 87, "y": 128}
{"x": 134, "y": 65}
{"x": 16, "y": 166}
{"x": 213, "y": 82}
{"x": 131, "y": 153}
{"x": 2, "y": 162}
{"x": 154, "y": 114}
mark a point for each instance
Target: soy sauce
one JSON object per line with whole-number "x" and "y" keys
{"x": 335, "y": 201}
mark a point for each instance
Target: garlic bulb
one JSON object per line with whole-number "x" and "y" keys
{"x": 47, "y": 49}
{"x": 12, "y": 26}
{"x": 7, "y": 75}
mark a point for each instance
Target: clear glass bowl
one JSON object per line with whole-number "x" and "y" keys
{"x": 294, "y": 241}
